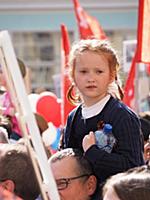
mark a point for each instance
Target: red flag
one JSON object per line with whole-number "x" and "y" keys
{"x": 65, "y": 48}
{"x": 148, "y": 69}
{"x": 129, "y": 88}
{"x": 143, "y": 37}
{"x": 88, "y": 25}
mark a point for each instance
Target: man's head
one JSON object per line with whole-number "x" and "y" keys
{"x": 133, "y": 184}
{"x": 73, "y": 175}
{"x": 16, "y": 171}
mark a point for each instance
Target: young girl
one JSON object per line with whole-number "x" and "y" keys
{"x": 94, "y": 72}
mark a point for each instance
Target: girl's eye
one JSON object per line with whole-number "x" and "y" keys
{"x": 99, "y": 71}
{"x": 83, "y": 71}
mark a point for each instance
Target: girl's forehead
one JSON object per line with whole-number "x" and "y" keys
{"x": 89, "y": 53}
{"x": 90, "y": 56}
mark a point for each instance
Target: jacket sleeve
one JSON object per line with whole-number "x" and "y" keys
{"x": 128, "y": 152}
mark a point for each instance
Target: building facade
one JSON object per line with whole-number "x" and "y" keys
{"x": 35, "y": 30}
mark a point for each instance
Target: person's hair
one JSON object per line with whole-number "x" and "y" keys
{"x": 3, "y": 135}
{"x": 41, "y": 122}
{"x": 16, "y": 165}
{"x": 83, "y": 165}
{"x": 145, "y": 115}
{"x": 100, "y": 47}
{"x": 132, "y": 185}
{"x": 22, "y": 67}
{"x": 5, "y": 122}
{"x": 145, "y": 124}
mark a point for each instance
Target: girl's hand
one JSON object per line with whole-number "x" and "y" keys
{"x": 88, "y": 141}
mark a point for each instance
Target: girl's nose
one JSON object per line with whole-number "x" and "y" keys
{"x": 91, "y": 78}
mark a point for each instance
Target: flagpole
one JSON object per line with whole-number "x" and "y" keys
{"x": 136, "y": 103}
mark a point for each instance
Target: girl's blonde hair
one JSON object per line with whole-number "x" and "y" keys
{"x": 99, "y": 47}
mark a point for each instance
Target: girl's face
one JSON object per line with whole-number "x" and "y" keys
{"x": 92, "y": 76}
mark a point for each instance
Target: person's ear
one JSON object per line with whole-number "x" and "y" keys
{"x": 91, "y": 185}
{"x": 8, "y": 185}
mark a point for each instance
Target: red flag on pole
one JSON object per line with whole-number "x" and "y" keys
{"x": 65, "y": 48}
{"x": 148, "y": 69}
{"x": 129, "y": 88}
{"x": 143, "y": 34}
{"x": 88, "y": 26}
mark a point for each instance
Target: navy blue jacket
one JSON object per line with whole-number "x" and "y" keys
{"x": 127, "y": 153}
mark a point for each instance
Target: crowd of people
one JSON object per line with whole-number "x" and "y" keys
{"x": 80, "y": 168}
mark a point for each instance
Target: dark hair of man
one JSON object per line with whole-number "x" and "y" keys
{"x": 16, "y": 165}
{"x": 132, "y": 185}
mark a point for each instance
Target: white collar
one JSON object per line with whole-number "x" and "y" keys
{"x": 93, "y": 110}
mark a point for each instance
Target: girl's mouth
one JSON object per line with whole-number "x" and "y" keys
{"x": 91, "y": 86}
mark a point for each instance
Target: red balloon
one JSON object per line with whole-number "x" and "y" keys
{"x": 47, "y": 93}
{"x": 48, "y": 106}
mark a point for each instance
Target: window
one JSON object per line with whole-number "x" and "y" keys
{"x": 41, "y": 52}
{"x": 36, "y": 49}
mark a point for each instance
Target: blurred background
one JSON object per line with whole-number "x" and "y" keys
{"x": 34, "y": 26}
